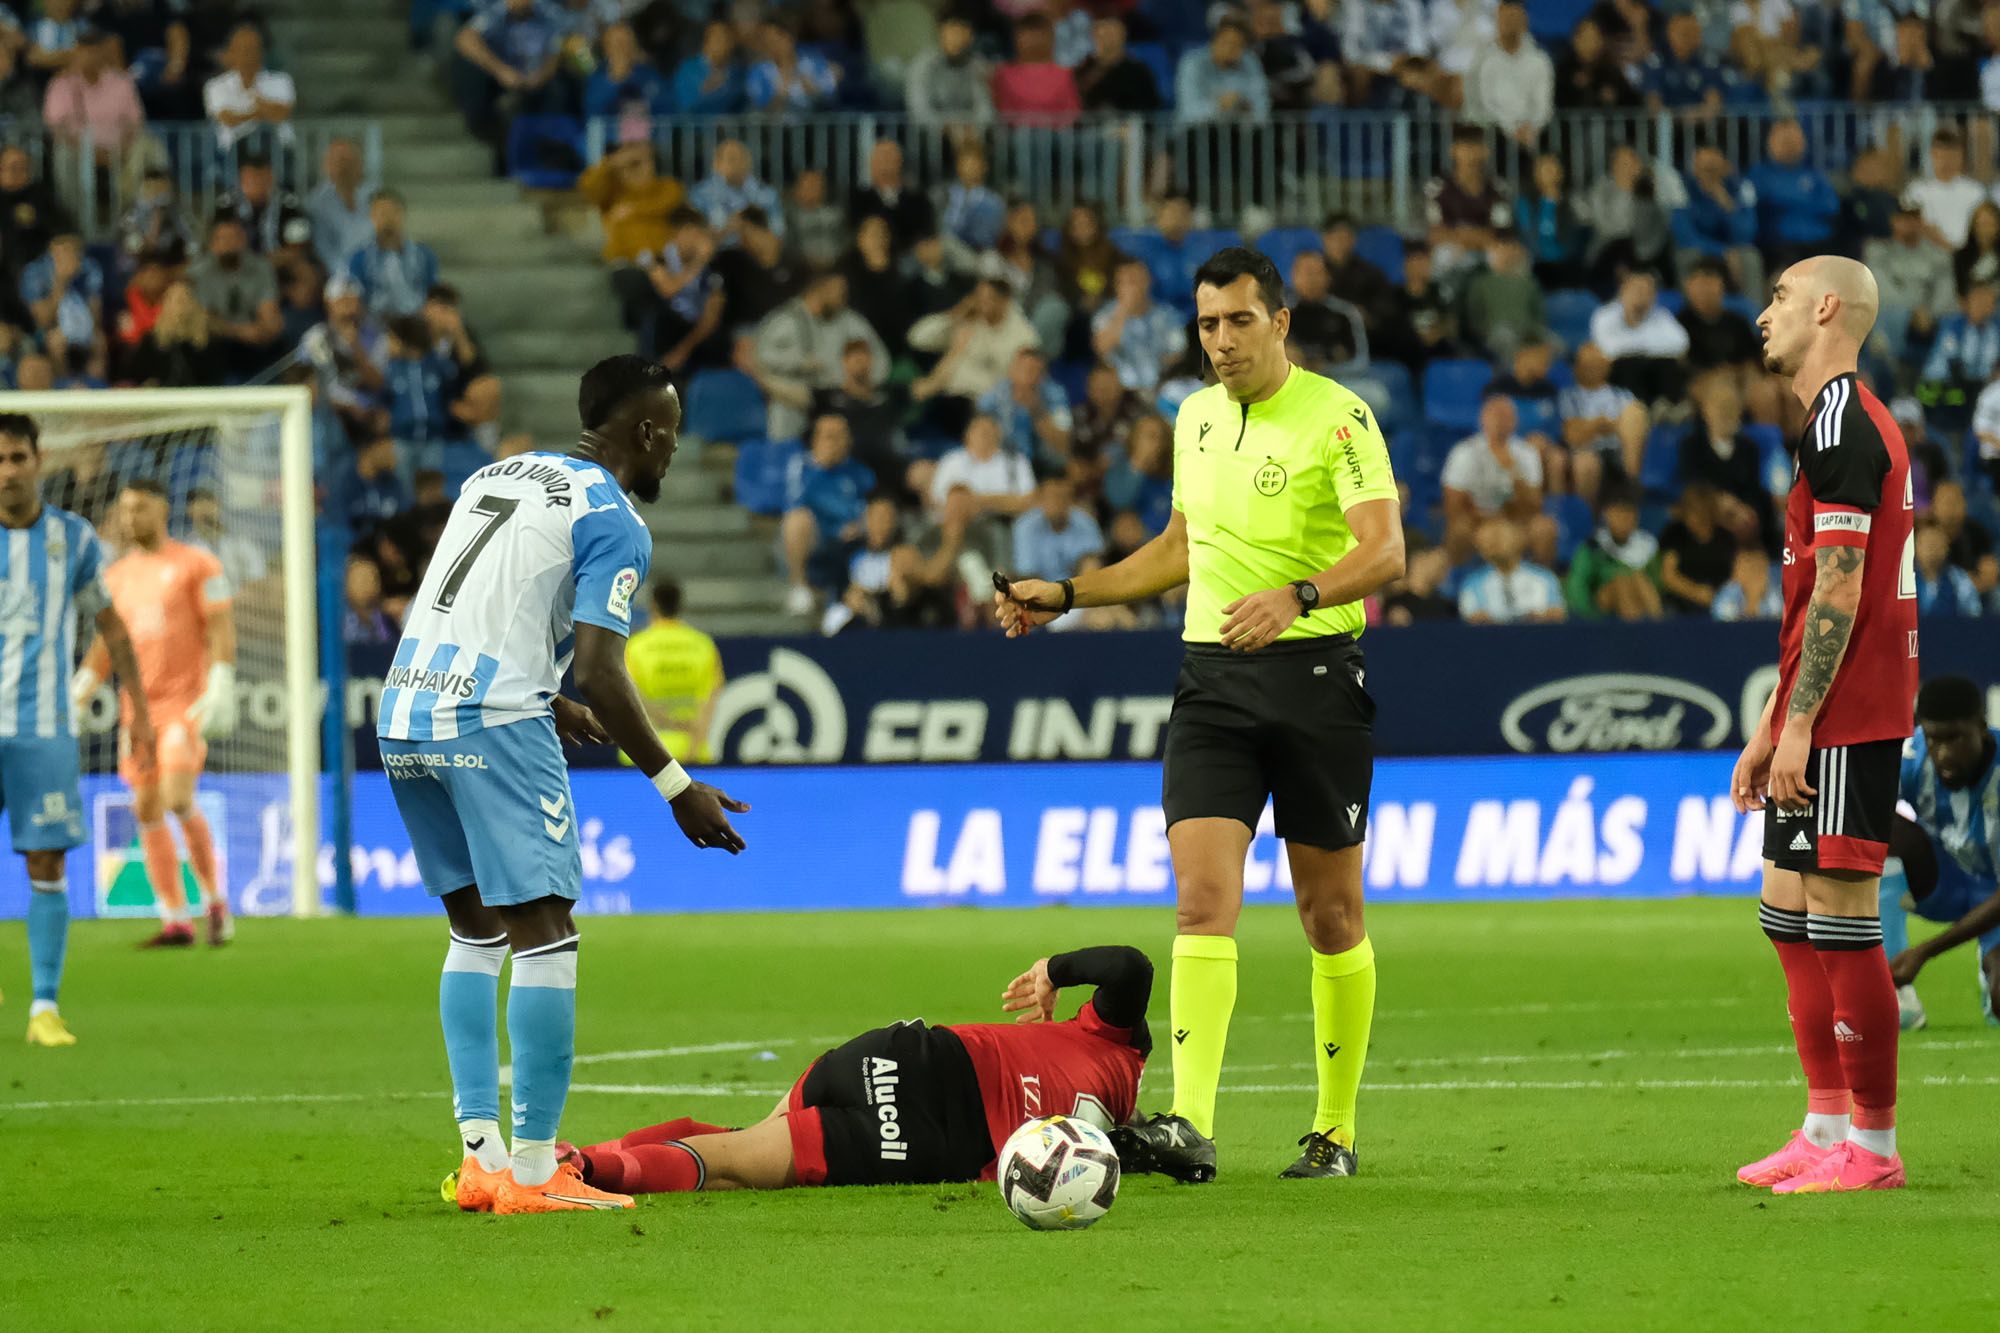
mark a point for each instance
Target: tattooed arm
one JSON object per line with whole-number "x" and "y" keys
{"x": 1829, "y": 623}
{"x": 1836, "y": 596}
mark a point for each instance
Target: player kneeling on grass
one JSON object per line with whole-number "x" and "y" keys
{"x": 917, "y": 1105}
{"x": 1947, "y": 847}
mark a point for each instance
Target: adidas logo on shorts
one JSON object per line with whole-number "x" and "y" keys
{"x": 1801, "y": 843}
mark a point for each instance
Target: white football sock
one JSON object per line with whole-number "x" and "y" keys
{"x": 534, "y": 1161}
{"x": 1881, "y": 1142}
{"x": 1825, "y": 1130}
{"x": 483, "y": 1142}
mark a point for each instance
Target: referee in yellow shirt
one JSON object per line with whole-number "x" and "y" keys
{"x": 679, "y": 675}
{"x": 1285, "y": 517}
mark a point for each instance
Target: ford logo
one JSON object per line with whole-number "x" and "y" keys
{"x": 1615, "y": 711}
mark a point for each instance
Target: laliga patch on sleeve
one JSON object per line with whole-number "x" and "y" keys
{"x": 619, "y": 603}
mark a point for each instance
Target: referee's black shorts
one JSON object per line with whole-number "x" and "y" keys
{"x": 1291, "y": 724}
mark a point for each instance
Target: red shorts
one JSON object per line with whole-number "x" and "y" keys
{"x": 180, "y": 750}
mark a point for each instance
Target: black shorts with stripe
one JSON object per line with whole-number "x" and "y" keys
{"x": 1291, "y": 724}
{"x": 896, "y": 1106}
{"x": 1847, "y": 824}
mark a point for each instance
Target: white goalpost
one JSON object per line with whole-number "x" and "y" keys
{"x": 237, "y": 465}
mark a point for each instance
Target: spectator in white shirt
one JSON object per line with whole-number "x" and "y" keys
{"x": 245, "y": 98}
{"x": 1986, "y": 429}
{"x": 1599, "y": 420}
{"x": 1493, "y": 472}
{"x": 1947, "y": 196}
{"x": 1507, "y": 590}
{"x": 974, "y": 490}
{"x": 1512, "y": 83}
{"x": 1645, "y": 342}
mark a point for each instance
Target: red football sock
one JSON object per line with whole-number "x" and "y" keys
{"x": 1809, "y": 1002}
{"x": 684, "y": 1128}
{"x": 1864, "y": 1021}
{"x": 649, "y": 1168}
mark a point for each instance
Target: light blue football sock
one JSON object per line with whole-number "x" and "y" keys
{"x": 1895, "y": 918}
{"x": 469, "y": 1008}
{"x": 541, "y": 1028}
{"x": 48, "y": 937}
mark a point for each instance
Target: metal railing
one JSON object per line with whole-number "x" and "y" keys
{"x": 1294, "y": 169}
{"x": 99, "y": 192}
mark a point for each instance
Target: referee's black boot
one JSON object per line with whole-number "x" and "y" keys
{"x": 1322, "y": 1157}
{"x": 1166, "y": 1145}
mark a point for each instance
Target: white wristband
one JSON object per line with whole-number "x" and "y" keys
{"x": 672, "y": 780}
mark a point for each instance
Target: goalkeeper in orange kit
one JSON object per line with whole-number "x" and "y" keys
{"x": 175, "y": 600}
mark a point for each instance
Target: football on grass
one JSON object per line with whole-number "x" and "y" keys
{"x": 1058, "y": 1174}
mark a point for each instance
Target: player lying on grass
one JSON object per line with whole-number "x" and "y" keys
{"x": 911, "y": 1104}
{"x": 1950, "y": 851}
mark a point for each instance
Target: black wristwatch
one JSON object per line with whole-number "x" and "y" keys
{"x": 1308, "y": 594}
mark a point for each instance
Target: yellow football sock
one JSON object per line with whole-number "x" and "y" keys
{"x": 1203, "y": 994}
{"x": 1343, "y": 990}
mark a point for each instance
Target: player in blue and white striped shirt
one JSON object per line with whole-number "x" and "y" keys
{"x": 51, "y": 572}
{"x": 537, "y": 564}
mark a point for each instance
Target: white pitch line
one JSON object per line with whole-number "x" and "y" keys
{"x": 1597, "y": 1057}
{"x": 1530, "y": 1009}
{"x": 248, "y": 1099}
{"x": 667, "y": 1052}
{"x": 1589, "y": 1085}
{"x": 718, "y": 1090}
{"x": 677, "y": 1090}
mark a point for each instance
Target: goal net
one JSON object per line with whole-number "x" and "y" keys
{"x": 236, "y": 467}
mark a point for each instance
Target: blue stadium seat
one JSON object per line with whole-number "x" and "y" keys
{"x": 545, "y": 152}
{"x": 1771, "y": 453}
{"x": 1452, "y": 390}
{"x": 1574, "y": 523}
{"x": 761, "y": 468}
{"x": 724, "y": 405}
{"x": 1074, "y": 377}
{"x": 1382, "y": 247}
{"x": 1740, "y": 305}
{"x": 1156, "y": 58}
{"x": 1284, "y": 244}
{"x": 1394, "y": 378}
{"x": 1568, "y": 312}
{"x": 1562, "y": 376}
{"x": 1672, "y": 301}
{"x": 1177, "y": 24}
{"x": 462, "y": 458}
{"x": 1659, "y": 474}
{"x": 1203, "y": 242}
{"x": 1552, "y": 21}
{"x": 1135, "y": 241}
{"x": 1406, "y": 451}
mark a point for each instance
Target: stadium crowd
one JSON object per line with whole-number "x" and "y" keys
{"x": 950, "y": 381}
{"x": 324, "y": 287}
{"x": 1568, "y": 372}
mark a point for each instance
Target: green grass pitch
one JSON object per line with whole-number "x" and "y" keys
{"x": 1557, "y": 1099}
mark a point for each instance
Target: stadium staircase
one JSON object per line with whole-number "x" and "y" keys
{"x": 532, "y": 286}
